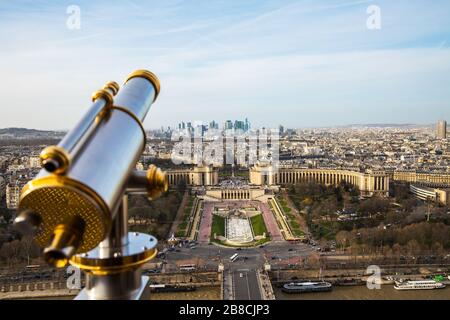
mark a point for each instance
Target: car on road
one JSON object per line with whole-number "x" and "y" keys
{"x": 161, "y": 255}
{"x": 290, "y": 250}
{"x": 239, "y": 249}
{"x": 152, "y": 271}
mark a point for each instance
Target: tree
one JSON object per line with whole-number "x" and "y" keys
{"x": 438, "y": 249}
{"x": 338, "y": 193}
{"x": 413, "y": 247}
{"x": 401, "y": 191}
{"x": 343, "y": 238}
{"x": 374, "y": 205}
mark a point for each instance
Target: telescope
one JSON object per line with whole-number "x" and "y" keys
{"x": 76, "y": 207}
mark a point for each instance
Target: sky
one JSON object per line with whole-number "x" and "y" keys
{"x": 311, "y": 63}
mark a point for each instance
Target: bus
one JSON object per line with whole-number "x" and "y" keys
{"x": 187, "y": 267}
{"x": 234, "y": 257}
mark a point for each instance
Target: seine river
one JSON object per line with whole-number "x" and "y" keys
{"x": 387, "y": 292}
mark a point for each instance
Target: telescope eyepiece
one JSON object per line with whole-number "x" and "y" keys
{"x": 55, "y": 159}
{"x": 65, "y": 242}
{"x": 51, "y": 165}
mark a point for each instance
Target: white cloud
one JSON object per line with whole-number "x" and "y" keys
{"x": 296, "y": 63}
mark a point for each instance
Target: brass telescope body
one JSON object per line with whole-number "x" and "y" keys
{"x": 76, "y": 203}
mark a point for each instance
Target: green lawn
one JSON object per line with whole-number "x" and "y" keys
{"x": 258, "y": 225}
{"x": 187, "y": 210}
{"x": 180, "y": 233}
{"x": 294, "y": 225}
{"x": 218, "y": 226}
{"x": 181, "y": 229}
{"x": 182, "y": 225}
{"x": 297, "y": 232}
{"x": 291, "y": 218}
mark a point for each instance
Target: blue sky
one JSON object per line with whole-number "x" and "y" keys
{"x": 298, "y": 63}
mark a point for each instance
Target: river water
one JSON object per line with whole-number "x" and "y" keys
{"x": 386, "y": 292}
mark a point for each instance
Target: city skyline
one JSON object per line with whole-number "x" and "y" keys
{"x": 174, "y": 126}
{"x": 220, "y": 123}
{"x": 307, "y": 63}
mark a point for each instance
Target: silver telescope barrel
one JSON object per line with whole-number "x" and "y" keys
{"x": 57, "y": 159}
{"x": 102, "y": 103}
{"x": 76, "y": 202}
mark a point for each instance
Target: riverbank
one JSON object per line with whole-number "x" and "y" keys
{"x": 57, "y": 294}
{"x": 201, "y": 293}
{"x": 386, "y": 292}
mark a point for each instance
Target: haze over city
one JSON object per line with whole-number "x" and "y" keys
{"x": 300, "y": 64}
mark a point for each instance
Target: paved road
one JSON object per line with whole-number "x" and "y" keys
{"x": 245, "y": 285}
{"x": 240, "y": 275}
{"x": 255, "y": 257}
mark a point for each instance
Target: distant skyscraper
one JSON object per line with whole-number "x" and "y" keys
{"x": 281, "y": 129}
{"x": 239, "y": 125}
{"x": 228, "y": 125}
{"x": 213, "y": 125}
{"x": 441, "y": 129}
{"x": 247, "y": 125}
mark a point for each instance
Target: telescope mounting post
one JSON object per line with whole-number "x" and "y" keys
{"x": 113, "y": 268}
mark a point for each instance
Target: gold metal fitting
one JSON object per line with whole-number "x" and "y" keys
{"x": 150, "y": 76}
{"x": 109, "y": 100}
{"x": 65, "y": 242}
{"x": 135, "y": 118}
{"x": 57, "y": 198}
{"x": 113, "y": 86}
{"x": 55, "y": 159}
{"x": 140, "y": 249}
{"x": 105, "y": 95}
{"x": 157, "y": 182}
{"x": 110, "y": 266}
